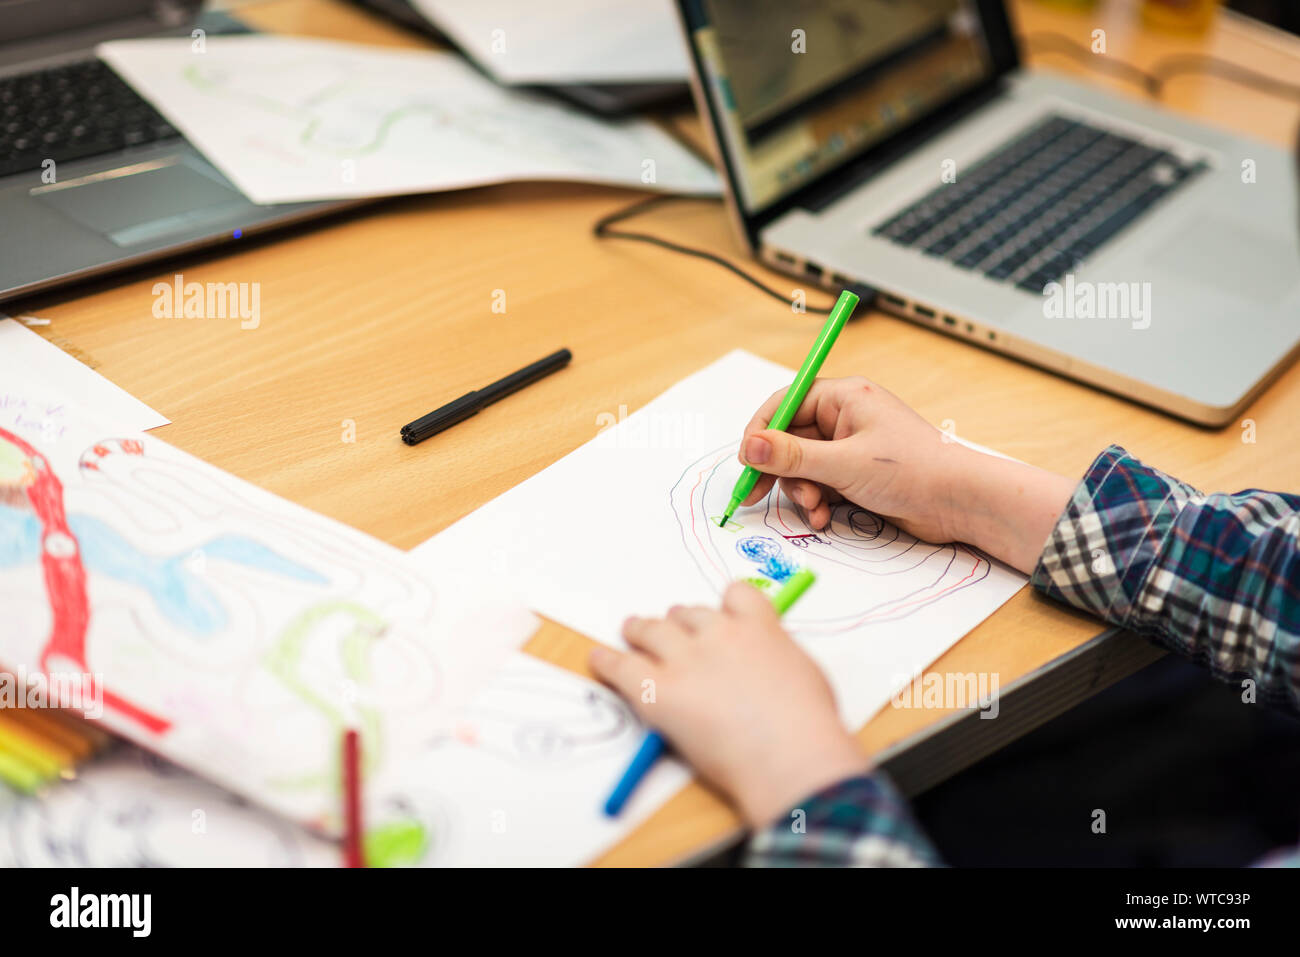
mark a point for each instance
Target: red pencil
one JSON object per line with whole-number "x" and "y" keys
{"x": 353, "y": 853}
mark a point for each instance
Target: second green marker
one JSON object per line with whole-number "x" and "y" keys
{"x": 798, "y": 390}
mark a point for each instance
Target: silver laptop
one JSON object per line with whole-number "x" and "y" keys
{"x": 92, "y": 179}
{"x": 900, "y": 146}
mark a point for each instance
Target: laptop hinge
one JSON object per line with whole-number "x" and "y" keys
{"x": 172, "y": 13}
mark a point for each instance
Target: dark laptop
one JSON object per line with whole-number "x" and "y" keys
{"x": 92, "y": 178}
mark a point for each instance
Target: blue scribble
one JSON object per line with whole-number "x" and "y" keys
{"x": 180, "y": 596}
{"x": 20, "y": 537}
{"x": 757, "y": 548}
{"x": 768, "y": 556}
{"x": 779, "y": 568}
{"x": 246, "y": 551}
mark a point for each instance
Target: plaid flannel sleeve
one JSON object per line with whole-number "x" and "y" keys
{"x": 864, "y": 822}
{"x": 1215, "y": 578}
{"x": 858, "y": 822}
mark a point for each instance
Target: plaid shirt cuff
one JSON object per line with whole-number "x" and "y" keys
{"x": 1109, "y": 538}
{"x": 858, "y": 822}
{"x": 1212, "y": 577}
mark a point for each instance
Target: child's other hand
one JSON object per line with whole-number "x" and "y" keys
{"x": 852, "y": 439}
{"x": 738, "y": 699}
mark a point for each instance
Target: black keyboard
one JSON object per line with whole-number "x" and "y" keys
{"x": 1036, "y": 206}
{"x": 71, "y": 112}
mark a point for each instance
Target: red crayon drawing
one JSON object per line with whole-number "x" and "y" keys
{"x": 65, "y": 581}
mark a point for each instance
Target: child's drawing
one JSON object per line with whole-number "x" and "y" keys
{"x": 222, "y": 626}
{"x": 881, "y": 574}
{"x": 544, "y": 719}
{"x": 519, "y": 781}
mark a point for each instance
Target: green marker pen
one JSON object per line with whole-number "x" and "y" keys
{"x": 798, "y": 390}
{"x": 793, "y": 590}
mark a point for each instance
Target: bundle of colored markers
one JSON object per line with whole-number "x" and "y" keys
{"x": 42, "y": 745}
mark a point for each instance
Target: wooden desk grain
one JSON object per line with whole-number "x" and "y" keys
{"x": 373, "y": 318}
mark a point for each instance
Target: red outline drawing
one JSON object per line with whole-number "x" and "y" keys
{"x": 65, "y": 582}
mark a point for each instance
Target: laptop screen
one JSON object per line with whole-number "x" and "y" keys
{"x": 804, "y": 86}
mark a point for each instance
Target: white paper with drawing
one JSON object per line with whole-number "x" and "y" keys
{"x": 628, "y": 524}
{"x": 219, "y": 625}
{"x": 290, "y": 119}
{"x": 521, "y": 778}
{"x": 516, "y": 780}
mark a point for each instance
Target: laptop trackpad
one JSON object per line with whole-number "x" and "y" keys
{"x": 1231, "y": 257}
{"x": 152, "y": 201}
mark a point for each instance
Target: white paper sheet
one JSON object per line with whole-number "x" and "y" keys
{"x": 227, "y": 629}
{"x": 518, "y": 780}
{"x": 290, "y": 120}
{"x": 27, "y": 358}
{"x": 627, "y": 524}
{"x": 522, "y": 777}
{"x": 566, "y": 41}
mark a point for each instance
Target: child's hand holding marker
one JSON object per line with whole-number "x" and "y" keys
{"x": 734, "y": 694}
{"x": 738, "y": 699}
{"x": 853, "y": 440}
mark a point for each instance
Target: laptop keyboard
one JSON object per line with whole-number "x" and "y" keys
{"x": 71, "y": 112}
{"x": 1038, "y": 205}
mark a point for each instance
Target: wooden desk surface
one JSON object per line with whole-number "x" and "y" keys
{"x": 378, "y": 316}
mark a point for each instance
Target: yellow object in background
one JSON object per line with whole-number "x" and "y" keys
{"x": 18, "y": 774}
{"x": 1184, "y": 15}
{"x": 64, "y": 730}
{"x": 37, "y": 752}
{"x": 41, "y": 745}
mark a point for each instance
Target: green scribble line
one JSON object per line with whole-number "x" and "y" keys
{"x": 399, "y": 843}
{"x": 194, "y": 76}
{"x": 377, "y": 142}
{"x": 283, "y": 661}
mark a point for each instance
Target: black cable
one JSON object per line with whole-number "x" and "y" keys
{"x": 602, "y": 231}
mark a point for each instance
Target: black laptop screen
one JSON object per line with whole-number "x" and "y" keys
{"x": 803, "y": 86}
